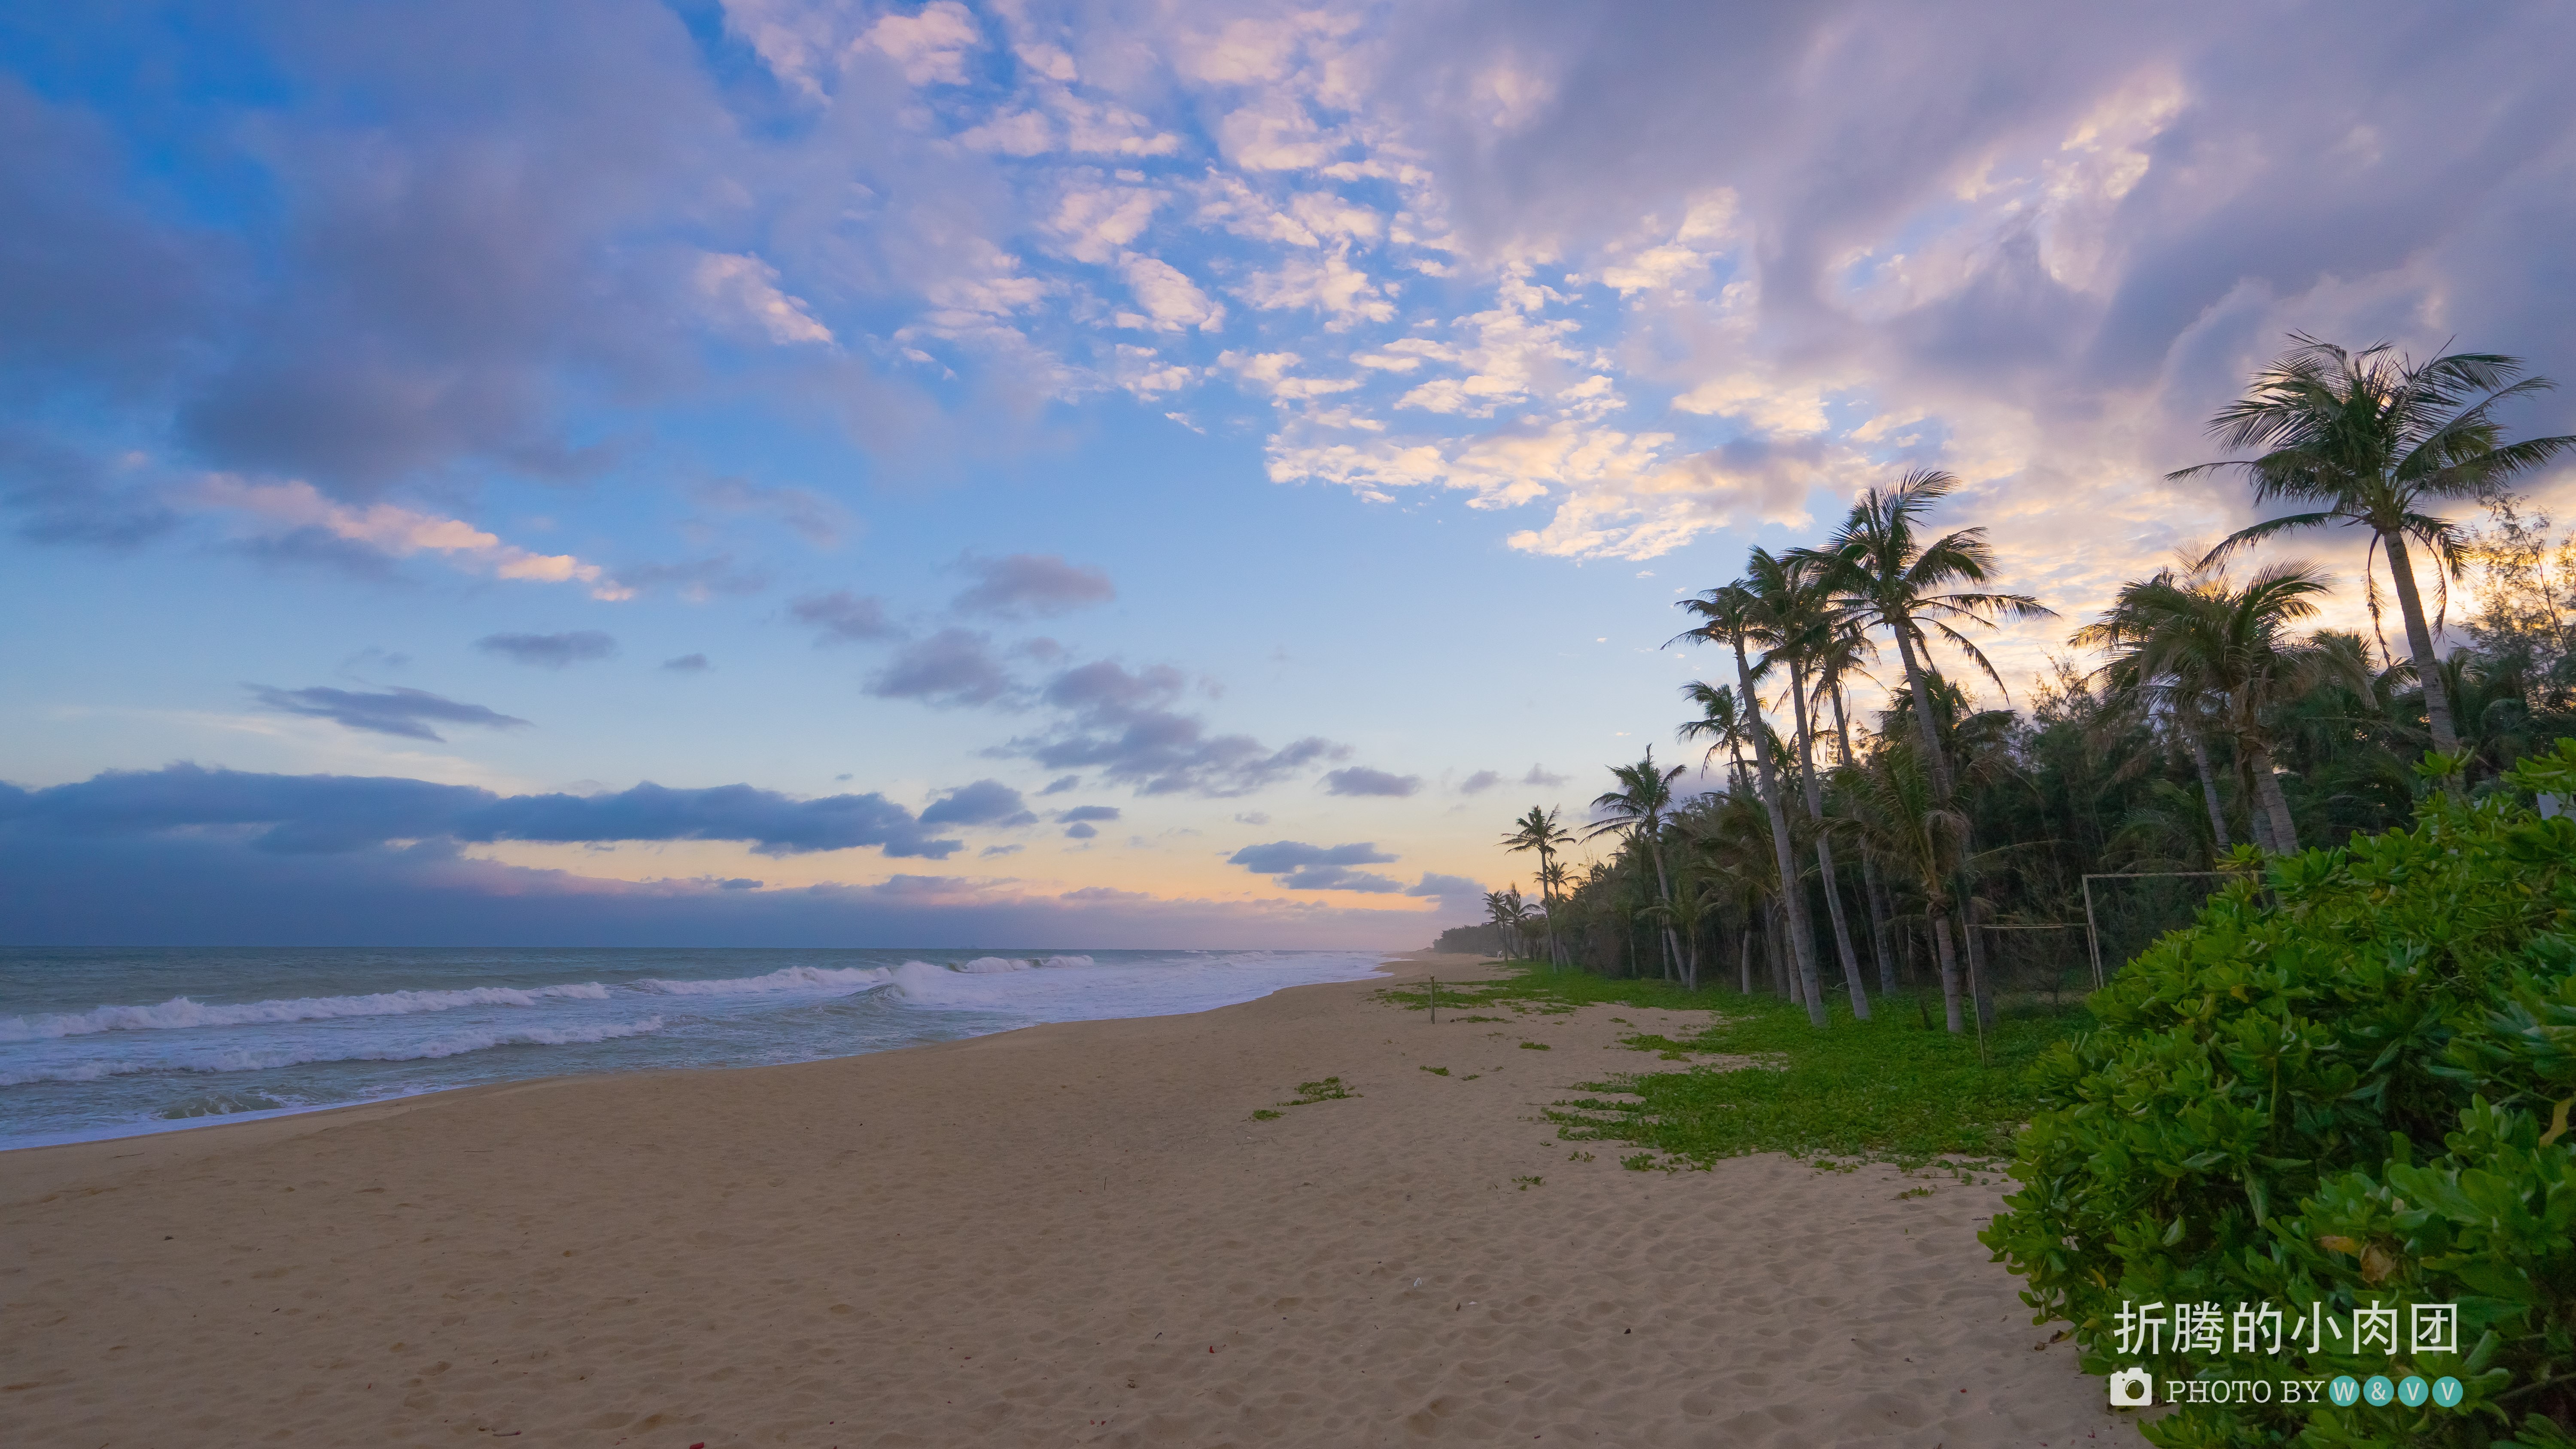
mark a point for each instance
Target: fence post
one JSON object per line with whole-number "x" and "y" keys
{"x": 2092, "y": 935}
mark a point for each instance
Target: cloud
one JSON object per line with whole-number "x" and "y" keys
{"x": 688, "y": 664}
{"x": 1454, "y": 892}
{"x": 551, "y": 651}
{"x": 1024, "y": 585}
{"x": 696, "y": 580}
{"x": 1062, "y": 783}
{"x": 1080, "y": 831}
{"x": 395, "y": 711}
{"x": 1080, "y": 813}
{"x": 743, "y": 291}
{"x": 1297, "y": 866}
{"x": 1543, "y": 778}
{"x": 281, "y": 514}
{"x": 986, "y": 802}
{"x": 327, "y": 813}
{"x": 809, "y": 515}
{"x": 1479, "y": 782}
{"x": 1121, "y": 725}
{"x": 950, "y": 668}
{"x": 841, "y": 616}
{"x": 1361, "y": 780}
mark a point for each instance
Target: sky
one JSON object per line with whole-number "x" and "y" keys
{"x": 1098, "y": 474}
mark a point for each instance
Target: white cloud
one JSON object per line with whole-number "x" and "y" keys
{"x": 275, "y": 509}
{"x": 931, "y": 45}
{"x": 745, "y": 289}
{"x": 1171, "y": 301}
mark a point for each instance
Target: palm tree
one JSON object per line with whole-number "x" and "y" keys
{"x": 1721, "y": 721}
{"x": 1539, "y": 831}
{"x": 1885, "y": 577}
{"x": 1898, "y": 810}
{"x": 1637, "y": 810}
{"x": 2196, "y": 643}
{"x": 1799, "y": 622}
{"x": 1691, "y": 904}
{"x": 1732, "y": 613}
{"x": 2375, "y": 437}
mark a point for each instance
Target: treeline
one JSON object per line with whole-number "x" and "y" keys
{"x": 2195, "y": 726}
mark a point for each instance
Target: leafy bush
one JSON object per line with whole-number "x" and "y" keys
{"x": 2354, "y": 1093}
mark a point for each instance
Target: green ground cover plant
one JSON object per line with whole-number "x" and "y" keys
{"x": 1887, "y": 1089}
{"x": 2347, "y": 1084}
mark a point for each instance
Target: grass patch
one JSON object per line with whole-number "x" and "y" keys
{"x": 1329, "y": 1089}
{"x": 1885, "y": 1089}
{"x": 1264, "y": 1114}
{"x": 1536, "y": 1046}
{"x": 1437, "y": 1071}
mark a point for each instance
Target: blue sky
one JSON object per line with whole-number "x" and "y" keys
{"x": 1091, "y": 474}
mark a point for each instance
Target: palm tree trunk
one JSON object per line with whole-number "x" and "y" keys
{"x": 1868, "y": 867}
{"x": 2285, "y": 831}
{"x": 2208, "y": 790}
{"x": 1801, "y": 935}
{"x": 1744, "y": 958}
{"x": 2419, "y": 641}
{"x": 1824, "y": 847}
{"x": 1931, "y": 739}
{"x": 1940, "y": 927}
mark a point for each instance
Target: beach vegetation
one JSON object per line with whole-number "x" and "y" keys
{"x": 2347, "y": 1084}
{"x": 1330, "y": 1089}
{"x": 1264, "y": 1114}
{"x": 1437, "y": 1071}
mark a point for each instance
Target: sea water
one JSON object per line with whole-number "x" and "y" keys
{"x": 105, "y": 1043}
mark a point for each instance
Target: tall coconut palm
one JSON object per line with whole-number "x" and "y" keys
{"x": 1845, "y": 646}
{"x": 1637, "y": 810}
{"x": 1799, "y": 624}
{"x": 1886, "y": 576}
{"x": 2202, "y": 644}
{"x": 1539, "y": 831}
{"x": 2375, "y": 437}
{"x": 1732, "y": 613}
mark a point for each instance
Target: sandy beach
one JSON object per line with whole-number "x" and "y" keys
{"x": 1072, "y": 1234}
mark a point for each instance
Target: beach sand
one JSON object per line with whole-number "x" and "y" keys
{"x": 1071, "y": 1234}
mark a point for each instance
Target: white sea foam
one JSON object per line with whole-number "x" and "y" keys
{"x": 996, "y": 965}
{"x": 840, "y": 980}
{"x": 180, "y": 1012}
{"x": 254, "y": 1060}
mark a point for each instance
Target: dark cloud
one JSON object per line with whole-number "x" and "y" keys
{"x": 810, "y": 516}
{"x": 1361, "y": 780}
{"x": 1454, "y": 892}
{"x": 550, "y": 651}
{"x": 1080, "y": 832}
{"x": 62, "y": 495}
{"x": 1479, "y": 782}
{"x": 693, "y": 664}
{"x": 988, "y": 852}
{"x": 1025, "y": 585}
{"x": 1540, "y": 776}
{"x": 206, "y": 889}
{"x": 1252, "y": 817}
{"x": 699, "y": 579}
{"x": 986, "y": 802}
{"x": 1086, "y": 812}
{"x": 842, "y": 616}
{"x": 1062, "y": 783}
{"x": 325, "y": 813}
{"x": 1122, "y": 726}
{"x": 395, "y": 711}
{"x": 951, "y": 667}
{"x": 1297, "y": 866}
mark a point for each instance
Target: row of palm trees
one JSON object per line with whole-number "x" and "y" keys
{"x": 1929, "y": 821}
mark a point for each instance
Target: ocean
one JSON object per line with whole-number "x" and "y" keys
{"x": 108, "y": 1043}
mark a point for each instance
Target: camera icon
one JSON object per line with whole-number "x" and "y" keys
{"x": 2133, "y": 1388}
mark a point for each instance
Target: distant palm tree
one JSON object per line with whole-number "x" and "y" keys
{"x": 1733, "y": 613}
{"x": 2374, "y": 437}
{"x": 1637, "y": 810}
{"x": 1900, "y": 816}
{"x": 2204, "y": 645}
{"x": 1539, "y": 831}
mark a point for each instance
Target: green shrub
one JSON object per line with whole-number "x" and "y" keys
{"x": 2353, "y": 1093}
